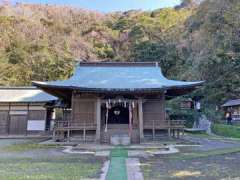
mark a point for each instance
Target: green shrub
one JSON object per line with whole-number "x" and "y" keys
{"x": 188, "y": 116}
{"x": 226, "y": 130}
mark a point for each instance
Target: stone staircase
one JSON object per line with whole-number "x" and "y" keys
{"x": 115, "y": 133}
{"x": 121, "y": 139}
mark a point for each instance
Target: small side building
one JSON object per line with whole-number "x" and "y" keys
{"x": 25, "y": 110}
{"x": 233, "y": 106}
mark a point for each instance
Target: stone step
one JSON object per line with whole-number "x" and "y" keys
{"x": 117, "y": 126}
{"x": 120, "y": 139}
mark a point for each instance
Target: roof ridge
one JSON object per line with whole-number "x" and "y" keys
{"x": 233, "y": 99}
{"x": 119, "y": 64}
{"x": 18, "y": 87}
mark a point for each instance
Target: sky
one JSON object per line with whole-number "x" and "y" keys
{"x": 110, "y": 5}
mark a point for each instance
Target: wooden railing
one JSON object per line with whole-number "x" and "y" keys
{"x": 177, "y": 123}
{"x": 164, "y": 124}
{"x": 59, "y": 124}
{"x": 236, "y": 117}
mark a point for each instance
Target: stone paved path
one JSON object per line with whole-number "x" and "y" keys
{"x": 133, "y": 169}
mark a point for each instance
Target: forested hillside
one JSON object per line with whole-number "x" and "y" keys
{"x": 192, "y": 42}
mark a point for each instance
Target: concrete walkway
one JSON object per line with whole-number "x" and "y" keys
{"x": 105, "y": 170}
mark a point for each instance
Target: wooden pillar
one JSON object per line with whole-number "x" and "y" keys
{"x": 9, "y": 119}
{"x": 68, "y": 124}
{"x": 169, "y": 129}
{"x": 140, "y": 117}
{"x": 54, "y": 135}
{"x": 84, "y": 134}
{"x": 165, "y": 119}
{"x": 178, "y": 133}
{"x": 98, "y": 119}
{"x": 27, "y": 118}
{"x": 71, "y": 119}
{"x": 68, "y": 134}
{"x": 153, "y": 132}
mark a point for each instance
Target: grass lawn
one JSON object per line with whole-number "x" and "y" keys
{"x": 221, "y": 134}
{"x": 31, "y": 161}
{"x": 26, "y": 147}
{"x": 55, "y": 168}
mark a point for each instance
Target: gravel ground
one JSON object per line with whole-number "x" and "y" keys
{"x": 188, "y": 165}
{"x": 7, "y": 142}
{"x": 31, "y": 153}
{"x": 210, "y": 168}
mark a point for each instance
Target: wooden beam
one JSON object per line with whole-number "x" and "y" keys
{"x": 140, "y": 116}
{"x": 98, "y": 119}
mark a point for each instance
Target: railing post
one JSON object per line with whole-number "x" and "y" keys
{"x": 54, "y": 134}
{"x": 153, "y": 129}
{"x": 169, "y": 128}
{"x": 54, "y": 129}
{"x": 68, "y": 131}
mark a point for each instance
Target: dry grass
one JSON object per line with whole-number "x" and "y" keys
{"x": 182, "y": 174}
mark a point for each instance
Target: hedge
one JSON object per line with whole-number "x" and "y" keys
{"x": 226, "y": 130}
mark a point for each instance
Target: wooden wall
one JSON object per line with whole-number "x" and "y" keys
{"x": 153, "y": 113}
{"x": 83, "y": 110}
{"x": 4, "y": 122}
{"x": 20, "y": 119}
{"x": 18, "y": 124}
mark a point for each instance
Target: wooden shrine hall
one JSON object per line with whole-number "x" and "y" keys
{"x": 106, "y": 99}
